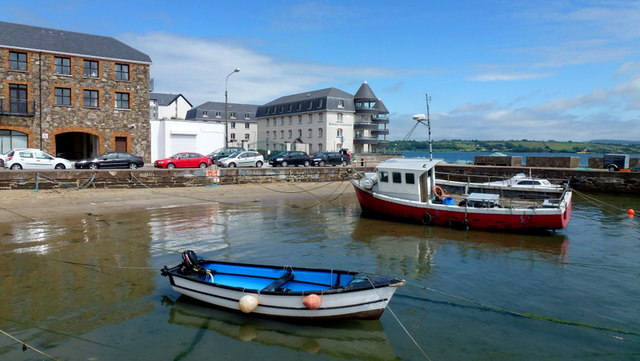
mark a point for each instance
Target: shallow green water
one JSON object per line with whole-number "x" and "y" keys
{"x": 89, "y": 288}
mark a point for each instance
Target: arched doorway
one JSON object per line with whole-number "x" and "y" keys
{"x": 76, "y": 145}
{"x": 11, "y": 139}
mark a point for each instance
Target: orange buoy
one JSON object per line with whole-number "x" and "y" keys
{"x": 631, "y": 212}
{"x": 312, "y": 301}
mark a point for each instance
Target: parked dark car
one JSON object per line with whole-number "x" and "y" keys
{"x": 329, "y": 158}
{"x": 111, "y": 160}
{"x": 291, "y": 157}
{"x": 223, "y": 153}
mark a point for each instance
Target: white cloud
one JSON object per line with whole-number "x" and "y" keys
{"x": 197, "y": 68}
{"x": 508, "y": 76}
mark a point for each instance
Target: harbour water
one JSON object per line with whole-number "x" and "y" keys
{"x": 89, "y": 287}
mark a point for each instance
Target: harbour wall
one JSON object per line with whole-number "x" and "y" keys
{"x": 580, "y": 179}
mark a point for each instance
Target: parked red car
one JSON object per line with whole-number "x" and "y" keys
{"x": 184, "y": 160}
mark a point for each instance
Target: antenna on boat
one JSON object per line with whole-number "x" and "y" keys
{"x": 421, "y": 118}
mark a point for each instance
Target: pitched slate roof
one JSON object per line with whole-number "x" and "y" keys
{"x": 28, "y": 37}
{"x": 314, "y": 94}
{"x": 165, "y": 99}
{"x": 379, "y": 106}
{"x": 241, "y": 109}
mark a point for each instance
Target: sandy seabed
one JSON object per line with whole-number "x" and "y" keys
{"x": 25, "y": 205}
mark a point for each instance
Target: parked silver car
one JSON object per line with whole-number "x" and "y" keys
{"x": 242, "y": 159}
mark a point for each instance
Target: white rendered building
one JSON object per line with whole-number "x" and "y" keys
{"x": 323, "y": 120}
{"x": 241, "y": 121}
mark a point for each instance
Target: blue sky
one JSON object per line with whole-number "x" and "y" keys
{"x": 539, "y": 70}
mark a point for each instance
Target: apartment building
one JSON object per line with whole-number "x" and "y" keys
{"x": 324, "y": 120}
{"x": 242, "y": 129}
{"x": 72, "y": 94}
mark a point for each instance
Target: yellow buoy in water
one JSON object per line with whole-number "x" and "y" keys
{"x": 312, "y": 301}
{"x": 248, "y": 303}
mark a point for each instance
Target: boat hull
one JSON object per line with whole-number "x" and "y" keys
{"x": 451, "y": 215}
{"x": 367, "y": 300}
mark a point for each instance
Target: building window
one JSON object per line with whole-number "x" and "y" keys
{"x": 246, "y": 125}
{"x": 17, "y": 61}
{"x": 90, "y": 69}
{"x": 232, "y": 115}
{"x": 319, "y": 132}
{"x": 309, "y": 105}
{"x": 300, "y": 133}
{"x": 320, "y": 117}
{"x": 18, "y": 98}
{"x": 320, "y": 147}
{"x": 282, "y": 109}
{"x": 233, "y": 125}
{"x": 339, "y": 117}
{"x": 63, "y": 96}
{"x": 246, "y": 136}
{"x": 320, "y": 103}
{"x": 310, "y": 118}
{"x": 218, "y": 114}
{"x": 310, "y": 133}
{"x": 62, "y": 65}
{"x": 232, "y": 136}
{"x": 122, "y": 100}
{"x": 122, "y": 71}
{"x": 290, "y": 133}
{"x": 267, "y": 136}
{"x": 340, "y": 103}
{"x": 90, "y": 98}
{"x": 282, "y": 134}
{"x": 299, "y": 106}
{"x": 275, "y": 135}
{"x": 247, "y": 116}
{"x": 205, "y": 114}
{"x": 339, "y": 132}
{"x": 281, "y": 120}
{"x": 289, "y": 107}
{"x": 299, "y": 119}
{"x": 290, "y": 120}
{"x": 267, "y": 122}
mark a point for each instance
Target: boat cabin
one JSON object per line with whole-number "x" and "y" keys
{"x": 483, "y": 200}
{"x": 407, "y": 178}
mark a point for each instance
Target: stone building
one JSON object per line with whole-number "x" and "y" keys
{"x": 324, "y": 120}
{"x": 72, "y": 94}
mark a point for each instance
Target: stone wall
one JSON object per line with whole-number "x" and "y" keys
{"x": 579, "y": 179}
{"x": 505, "y": 161}
{"x": 553, "y": 162}
{"x": 104, "y": 121}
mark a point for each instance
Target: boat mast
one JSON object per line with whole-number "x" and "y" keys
{"x": 428, "y": 99}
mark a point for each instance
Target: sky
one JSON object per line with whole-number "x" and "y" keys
{"x": 492, "y": 69}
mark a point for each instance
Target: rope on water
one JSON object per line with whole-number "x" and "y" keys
{"x": 26, "y": 346}
{"x": 611, "y": 209}
{"x": 67, "y": 184}
{"x": 533, "y": 315}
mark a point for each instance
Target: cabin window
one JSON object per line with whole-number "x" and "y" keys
{"x": 397, "y": 177}
{"x": 384, "y": 177}
{"x": 409, "y": 178}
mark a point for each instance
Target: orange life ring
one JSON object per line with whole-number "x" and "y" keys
{"x": 438, "y": 191}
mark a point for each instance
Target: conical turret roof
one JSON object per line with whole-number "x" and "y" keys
{"x": 379, "y": 106}
{"x": 365, "y": 94}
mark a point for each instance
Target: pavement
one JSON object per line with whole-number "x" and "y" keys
{"x": 25, "y": 205}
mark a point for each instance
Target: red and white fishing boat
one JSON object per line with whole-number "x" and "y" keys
{"x": 407, "y": 189}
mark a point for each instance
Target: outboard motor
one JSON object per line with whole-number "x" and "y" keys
{"x": 189, "y": 262}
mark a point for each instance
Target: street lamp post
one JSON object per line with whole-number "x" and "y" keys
{"x": 226, "y": 119}
{"x": 421, "y": 118}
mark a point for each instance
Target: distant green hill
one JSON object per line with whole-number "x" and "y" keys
{"x": 515, "y": 146}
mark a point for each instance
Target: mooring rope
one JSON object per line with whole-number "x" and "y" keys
{"x": 535, "y": 316}
{"x": 26, "y": 346}
{"x": 613, "y": 210}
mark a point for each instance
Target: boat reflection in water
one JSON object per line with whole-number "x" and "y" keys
{"x": 410, "y": 248}
{"x": 352, "y": 340}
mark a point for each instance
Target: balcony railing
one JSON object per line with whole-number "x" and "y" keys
{"x": 379, "y": 120}
{"x": 380, "y": 132}
{"x": 18, "y": 107}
